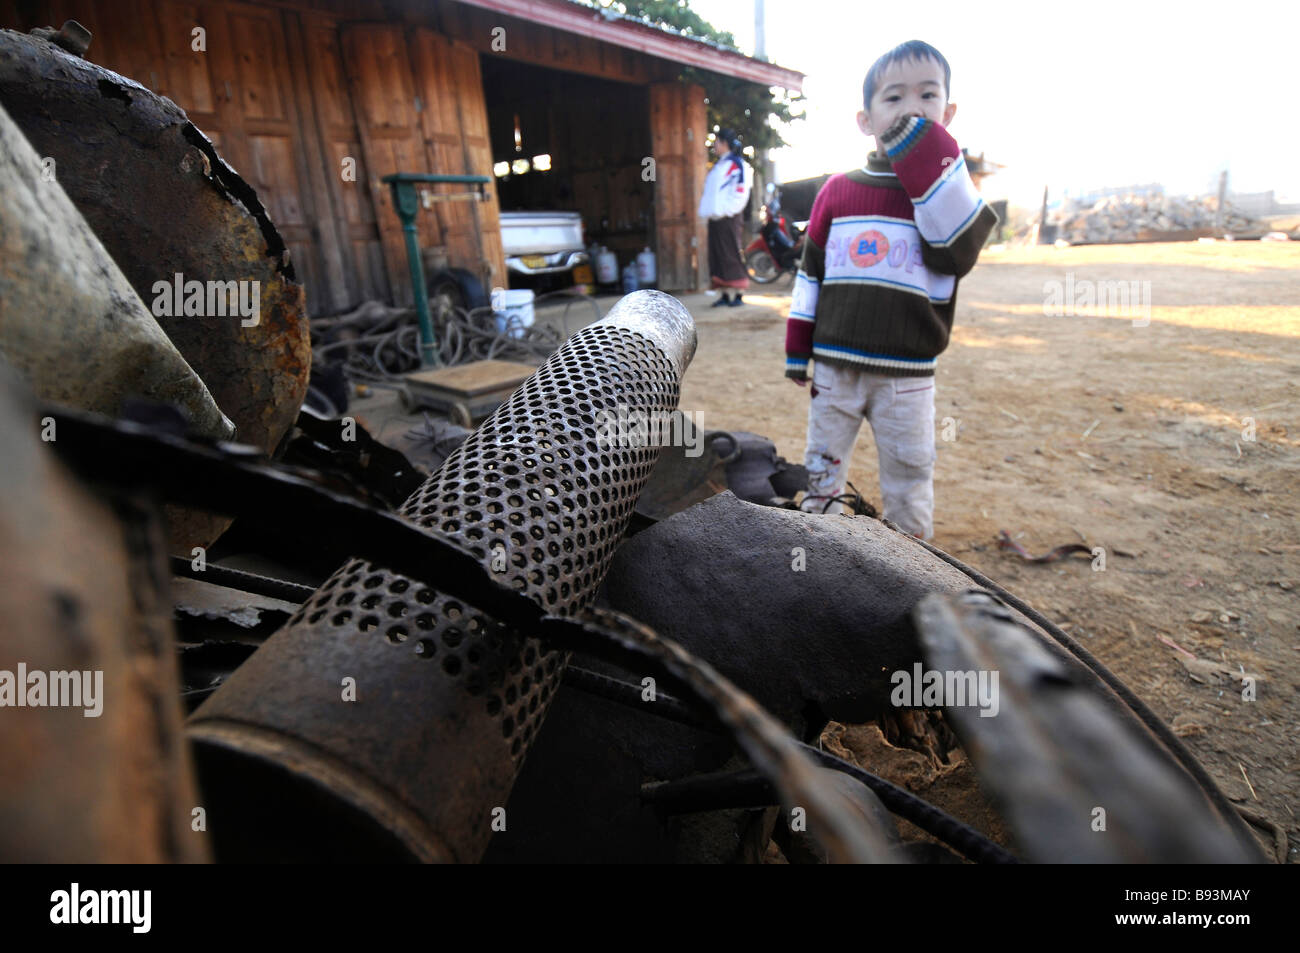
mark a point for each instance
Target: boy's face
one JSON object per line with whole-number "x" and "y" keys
{"x": 912, "y": 87}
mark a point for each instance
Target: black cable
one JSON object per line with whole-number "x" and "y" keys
{"x": 969, "y": 842}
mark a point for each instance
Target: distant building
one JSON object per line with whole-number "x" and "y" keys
{"x": 575, "y": 108}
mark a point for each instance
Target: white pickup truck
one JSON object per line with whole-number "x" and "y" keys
{"x": 545, "y": 243}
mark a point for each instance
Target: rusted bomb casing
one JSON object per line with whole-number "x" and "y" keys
{"x": 163, "y": 202}
{"x": 70, "y": 324}
{"x": 387, "y": 720}
{"x": 190, "y": 236}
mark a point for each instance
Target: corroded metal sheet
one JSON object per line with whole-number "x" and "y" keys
{"x": 1077, "y": 783}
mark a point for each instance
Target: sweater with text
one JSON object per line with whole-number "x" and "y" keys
{"x": 885, "y": 246}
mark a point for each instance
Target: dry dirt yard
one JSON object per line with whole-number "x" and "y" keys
{"x": 1171, "y": 445}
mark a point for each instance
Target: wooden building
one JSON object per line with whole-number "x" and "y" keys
{"x": 313, "y": 101}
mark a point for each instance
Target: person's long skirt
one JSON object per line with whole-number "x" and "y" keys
{"x": 726, "y": 261}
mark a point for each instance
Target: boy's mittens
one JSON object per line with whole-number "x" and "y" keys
{"x": 905, "y": 133}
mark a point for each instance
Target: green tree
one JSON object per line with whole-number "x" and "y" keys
{"x": 733, "y": 103}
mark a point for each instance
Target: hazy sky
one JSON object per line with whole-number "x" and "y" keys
{"x": 1102, "y": 93}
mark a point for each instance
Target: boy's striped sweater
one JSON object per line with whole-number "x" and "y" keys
{"x": 885, "y": 246}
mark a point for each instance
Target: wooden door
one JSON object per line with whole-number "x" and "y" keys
{"x": 677, "y": 132}
{"x": 454, "y": 122}
{"x": 420, "y": 108}
{"x": 383, "y": 94}
{"x": 262, "y": 134}
{"x": 354, "y": 254}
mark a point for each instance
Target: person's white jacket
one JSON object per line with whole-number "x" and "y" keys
{"x": 726, "y": 190}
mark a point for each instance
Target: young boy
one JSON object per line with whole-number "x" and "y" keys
{"x": 874, "y": 297}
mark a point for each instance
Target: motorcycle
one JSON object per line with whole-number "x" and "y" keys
{"x": 778, "y": 249}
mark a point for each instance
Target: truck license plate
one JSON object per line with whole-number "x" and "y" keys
{"x": 534, "y": 261}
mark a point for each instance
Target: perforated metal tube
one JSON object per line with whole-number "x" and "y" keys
{"x": 445, "y": 700}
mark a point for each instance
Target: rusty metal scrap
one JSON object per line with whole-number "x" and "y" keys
{"x": 84, "y": 594}
{"x": 237, "y": 484}
{"x": 279, "y": 772}
{"x": 163, "y": 202}
{"x": 1078, "y": 783}
{"x": 716, "y": 579}
{"x": 447, "y": 684}
{"x": 70, "y": 324}
{"x": 72, "y": 36}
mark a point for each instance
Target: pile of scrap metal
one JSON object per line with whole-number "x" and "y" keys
{"x": 520, "y": 656}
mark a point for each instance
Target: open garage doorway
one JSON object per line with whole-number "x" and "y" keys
{"x": 565, "y": 142}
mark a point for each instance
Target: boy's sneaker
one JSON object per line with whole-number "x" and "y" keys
{"x": 720, "y": 303}
{"x": 736, "y": 302}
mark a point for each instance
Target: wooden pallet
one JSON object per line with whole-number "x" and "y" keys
{"x": 467, "y": 393}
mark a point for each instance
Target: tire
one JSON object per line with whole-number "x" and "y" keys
{"x": 445, "y": 294}
{"x": 762, "y": 267}
{"x": 454, "y": 287}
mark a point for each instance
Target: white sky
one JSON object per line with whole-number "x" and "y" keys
{"x": 1099, "y": 93}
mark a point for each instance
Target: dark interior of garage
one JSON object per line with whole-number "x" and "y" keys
{"x": 595, "y": 133}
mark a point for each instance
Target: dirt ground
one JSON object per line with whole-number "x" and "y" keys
{"x": 1135, "y": 438}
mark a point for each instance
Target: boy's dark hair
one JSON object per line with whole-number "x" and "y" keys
{"x": 911, "y": 50}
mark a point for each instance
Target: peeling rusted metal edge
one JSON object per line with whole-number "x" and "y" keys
{"x": 232, "y": 187}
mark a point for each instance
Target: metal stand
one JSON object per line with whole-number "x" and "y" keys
{"x": 407, "y": 204}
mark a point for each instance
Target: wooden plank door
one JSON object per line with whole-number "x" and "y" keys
{"x": 677, "y": 133}
{"x": 363, "y": 273}
{"x": 262, "y": 132}
{"x": 383, "y": 94}
{"x": 454, "y": 122}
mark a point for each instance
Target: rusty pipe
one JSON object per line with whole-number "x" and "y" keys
{"x": 389, "y": 721}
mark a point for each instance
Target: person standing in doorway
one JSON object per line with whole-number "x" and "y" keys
{"x": 726, "y": 195}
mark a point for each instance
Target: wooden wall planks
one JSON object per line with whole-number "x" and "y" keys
{"x": 294, "y": 106}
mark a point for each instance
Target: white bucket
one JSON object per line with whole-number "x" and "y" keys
{"x": 513, "y": 310}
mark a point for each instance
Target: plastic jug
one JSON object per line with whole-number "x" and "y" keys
{"x": 645, "y": 268}
{"x": 629, "y": 278}
{"x": 606, "y": 267}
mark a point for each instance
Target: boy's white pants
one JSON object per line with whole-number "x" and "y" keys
{"x": 901, "y": 413}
